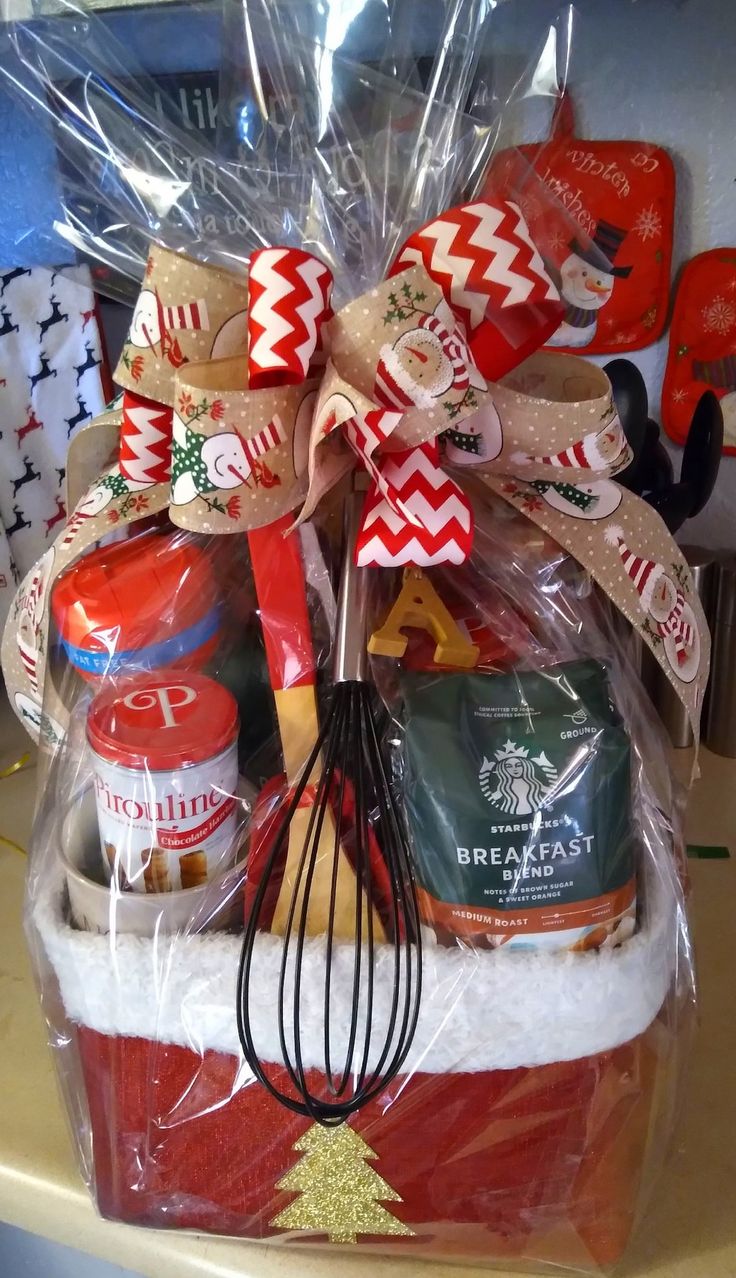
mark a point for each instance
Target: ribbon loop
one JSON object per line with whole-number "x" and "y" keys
{"x": 493, "y": 277}
{"x": 433, "y": 523}
{"x": 241, "y": 425}
{"x": 145, "y": 441}
{"x": 186, "y": 312}
{"x": 289, "y": 302}
{"x": 239, "y": 455}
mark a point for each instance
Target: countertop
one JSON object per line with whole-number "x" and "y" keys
{"x": 689, "y": 1231}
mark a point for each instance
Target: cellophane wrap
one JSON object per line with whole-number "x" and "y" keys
{"x": 177, "y": 677}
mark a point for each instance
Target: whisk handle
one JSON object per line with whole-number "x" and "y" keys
{"x": 351, "y": 657}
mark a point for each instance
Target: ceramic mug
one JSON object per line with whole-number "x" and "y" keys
{"x": 96, "y": 907}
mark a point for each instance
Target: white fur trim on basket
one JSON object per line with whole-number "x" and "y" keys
{"x": 490, "y": 1009}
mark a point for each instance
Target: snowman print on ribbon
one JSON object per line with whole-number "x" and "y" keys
{"x": 604, "y": 449}
{"x": 585, "y": 281}
{"x": 669, "y": 617}
{"x": 153, "y": 326}
{"x": 426, "y": 362}
{"x": 38, "y": 722}
{"x": 204, "y": 464}
{"x": 30, "y": 613}
{"x": 597, "y": 500}
{"x": 110, "y": 486}
{"x": 302, "y": 434}
{"x": 479, "y": 441}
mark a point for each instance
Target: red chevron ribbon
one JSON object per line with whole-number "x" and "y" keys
{"x": 145, "y": 441}
{"x": 289, "y": 301}
{"x": 437, "y": 523}
{"x": 365, "y": 434}
{"x": 493, "y": 277}
{"x": 501, "y": 306}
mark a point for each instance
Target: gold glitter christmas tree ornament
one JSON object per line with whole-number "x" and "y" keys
{"x": 340, "y": 1195}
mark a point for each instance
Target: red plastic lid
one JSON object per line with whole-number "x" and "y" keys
{"x": 136, "y": 590}
{"x": 162, "y": 721}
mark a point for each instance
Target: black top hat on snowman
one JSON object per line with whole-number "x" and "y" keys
{"x": 605, "y": 242}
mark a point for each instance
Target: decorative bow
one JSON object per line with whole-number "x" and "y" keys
{"x": 439, "y": 364}
{"x": 240, "y": 406}
{"x": 468, "y": 300}
{"x": 491, "y": 304}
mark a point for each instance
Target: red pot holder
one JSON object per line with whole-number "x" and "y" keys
{"x": 606, "y": 237}
{"x": 702, "y": 349}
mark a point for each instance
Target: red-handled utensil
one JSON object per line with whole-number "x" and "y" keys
{"x": 279, "y": 577}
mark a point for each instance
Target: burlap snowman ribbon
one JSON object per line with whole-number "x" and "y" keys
{"x": 191, "y": 435}
{"x": 186, "y": 313}
{"x": 432, "y": 371}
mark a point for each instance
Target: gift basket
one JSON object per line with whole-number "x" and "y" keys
{"x": 356, "y": 895}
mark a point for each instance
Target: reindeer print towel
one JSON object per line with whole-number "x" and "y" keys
{"x": 52, "y": 380}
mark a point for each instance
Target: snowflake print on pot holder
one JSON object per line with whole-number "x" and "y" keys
{"x": 702, "y": 346}
{"x": 602, "y": 214}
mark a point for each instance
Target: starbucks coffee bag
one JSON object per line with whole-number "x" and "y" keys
{"x": 517, "y": 800}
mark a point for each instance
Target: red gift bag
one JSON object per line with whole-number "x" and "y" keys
{"x": 535, "y": 1099}
{"x": 607, "y": 236}
{"x": 540, "y": 1164}
{"x": 702, "y": 348}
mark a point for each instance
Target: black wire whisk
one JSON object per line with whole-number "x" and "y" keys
{"x": 340, "y": 1044}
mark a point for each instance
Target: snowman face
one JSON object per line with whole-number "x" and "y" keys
{"x": 585, "y": 285}
{"x": 302, "y": 433}
{"x": 610, "y": 443}
{"x": 225, "y": 460}
{"x": 606, "y": 498}
{"x": 486, "y": 424}
{"x": 424, "y": 362}
{"x": 145, "y": 328}
{"x": 232, "y": 338}
{"x": 663, "y": 599}
{"x": 95, "y": 501}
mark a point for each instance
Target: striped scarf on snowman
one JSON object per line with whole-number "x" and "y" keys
{"x": 682, "y": 632}
{"x": 645, "y": 573}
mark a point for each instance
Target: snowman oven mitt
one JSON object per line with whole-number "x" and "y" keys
{"x": 702, "y": 346}
{"x": 606, "y": 236}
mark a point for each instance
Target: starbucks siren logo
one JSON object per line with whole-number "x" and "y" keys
{"x": 515, "y": 783}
